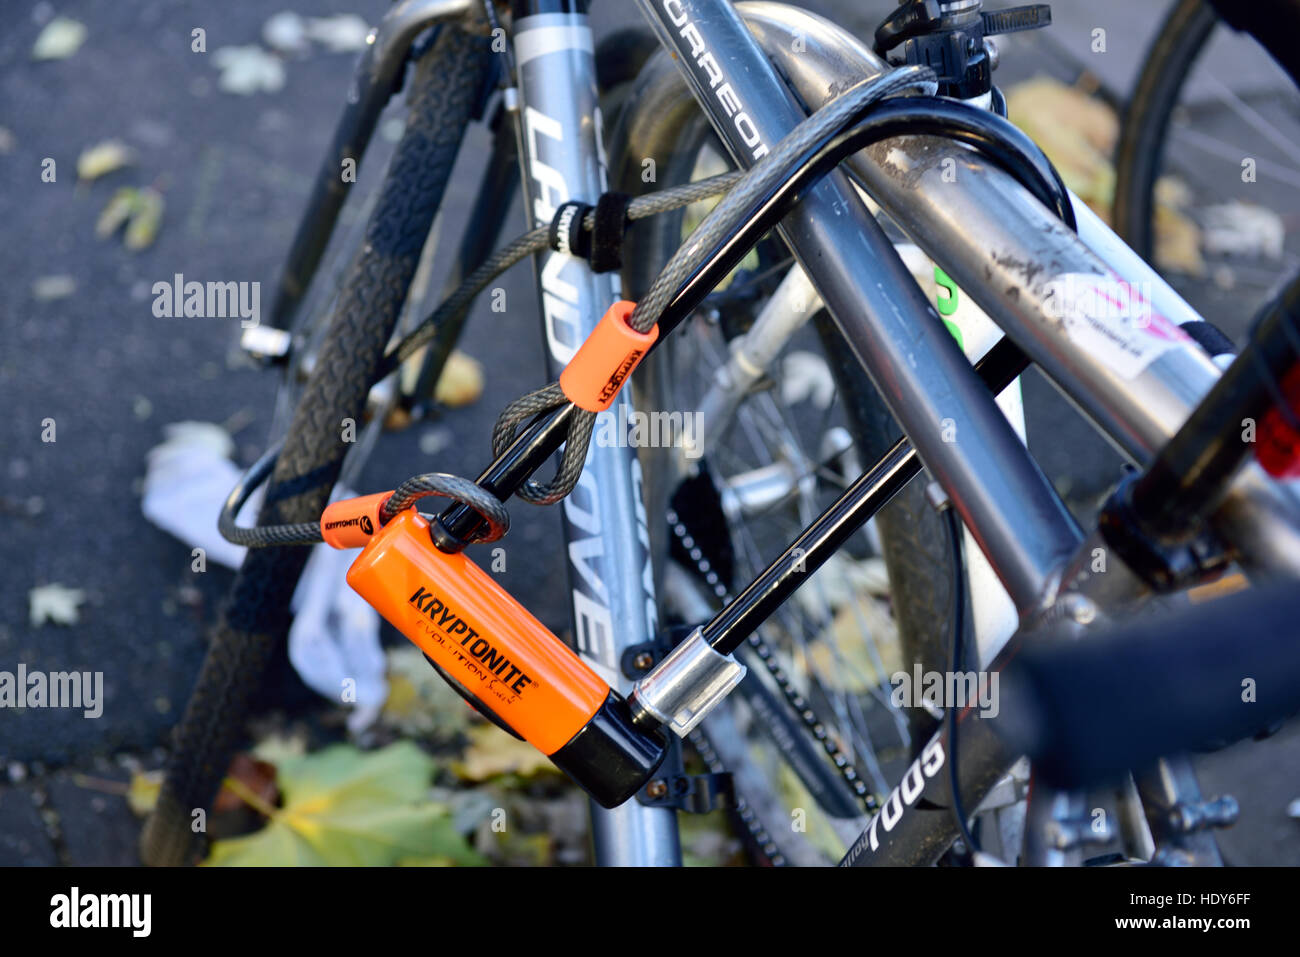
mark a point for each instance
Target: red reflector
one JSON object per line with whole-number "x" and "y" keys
{"x": 1277, "y": 444}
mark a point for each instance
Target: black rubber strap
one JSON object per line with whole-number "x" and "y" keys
{"x": 1210, "y": 338}
{"x": 607, "y": 236}
{"x": 602, "y": 247}
{"x": 566, "y": 232}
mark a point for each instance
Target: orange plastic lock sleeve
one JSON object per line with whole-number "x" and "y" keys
{"x": 478, "y": 634}
{"x": 352, "y": 522}
{"x": 602, "y": 364}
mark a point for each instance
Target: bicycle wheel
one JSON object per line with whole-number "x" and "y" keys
{"x": 444, "y": 88}
{"x": 790, "y": 447}
{"x": 1206, "y": 178}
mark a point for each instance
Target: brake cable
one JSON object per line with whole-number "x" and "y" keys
{"x": 958, "y": 627}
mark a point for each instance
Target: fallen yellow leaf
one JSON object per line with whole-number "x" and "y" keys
{"x": 142, "y": 793}
{"x": 119, "y": 209}
{"x": 143, "y": 227}
{"x": 103, "y": 158}
{"x": 492, "y": 752}
{"x": 461, "y": 381}
{"x": 342, "y": 806}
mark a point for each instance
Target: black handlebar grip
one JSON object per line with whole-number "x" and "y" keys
{"x": 1088, "y": 710}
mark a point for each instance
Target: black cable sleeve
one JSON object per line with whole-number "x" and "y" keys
{"x": 1085, "y": 712}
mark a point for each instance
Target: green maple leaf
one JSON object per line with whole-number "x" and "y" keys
{"x": 350, "y": 808}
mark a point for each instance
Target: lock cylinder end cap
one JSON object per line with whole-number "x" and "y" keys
{"x": 610, "y": 757}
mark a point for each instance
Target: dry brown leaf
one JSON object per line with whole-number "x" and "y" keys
{"x": 59, "y": 39}
{"x": 461, "y": 381}
{"x": 841, "y": 657}
{"x": 277, "y": 747}
{"x": 253, "y": 777}
{"x": 1177, "y": 242}
{"x": 55, "y": 603}
{"x": 1077, "y": 133}
{"x": 143, "y": 227}
{"x": 119, "y": 209}
{"x": 50, "y": 288}
{"x": 420, "y": 703}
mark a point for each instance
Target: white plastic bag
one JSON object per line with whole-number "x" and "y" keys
{"x": 334, "y": 639}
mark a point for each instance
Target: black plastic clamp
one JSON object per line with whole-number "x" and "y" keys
{"x": 690, "y": 793}
{"x": 952, "y": 42}
{"x": 602, "y": 246}
{"x": 1164, "y": 565}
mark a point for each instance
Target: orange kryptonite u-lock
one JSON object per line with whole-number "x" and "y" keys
{"x": 503, "y": 659}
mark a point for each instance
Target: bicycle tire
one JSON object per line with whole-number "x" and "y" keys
{"x": 445, "y": 88}
{"x": 1145, "y": 126}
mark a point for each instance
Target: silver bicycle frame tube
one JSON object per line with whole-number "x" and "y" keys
{"x": 995, "y": 240}
{"x": 605, "y": 526}
{"x": 928, "y": 384}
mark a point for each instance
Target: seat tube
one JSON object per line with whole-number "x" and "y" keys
{"x": 605, "y": 522}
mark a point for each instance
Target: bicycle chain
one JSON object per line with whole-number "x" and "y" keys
{"x": 797, "y": 701}
{"x": 700, "y": 741}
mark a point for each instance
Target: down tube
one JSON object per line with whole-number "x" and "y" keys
{"x": 604, "y": 517}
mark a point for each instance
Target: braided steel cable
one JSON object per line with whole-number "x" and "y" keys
{"x": 525, "y": 408}
{"x": 456, "y": 304}
{"x": 731, "y": 212}
{"x": 462, "y": 490}
{"x": 724, "y": 219}
{"x": 262, "y": 536}
{"x": 507, "y": 426}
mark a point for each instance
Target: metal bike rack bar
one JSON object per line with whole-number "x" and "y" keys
{"x": 987, "y": 234}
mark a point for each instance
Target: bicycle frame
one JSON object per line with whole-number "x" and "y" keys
{"x": 991, "y": 236}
